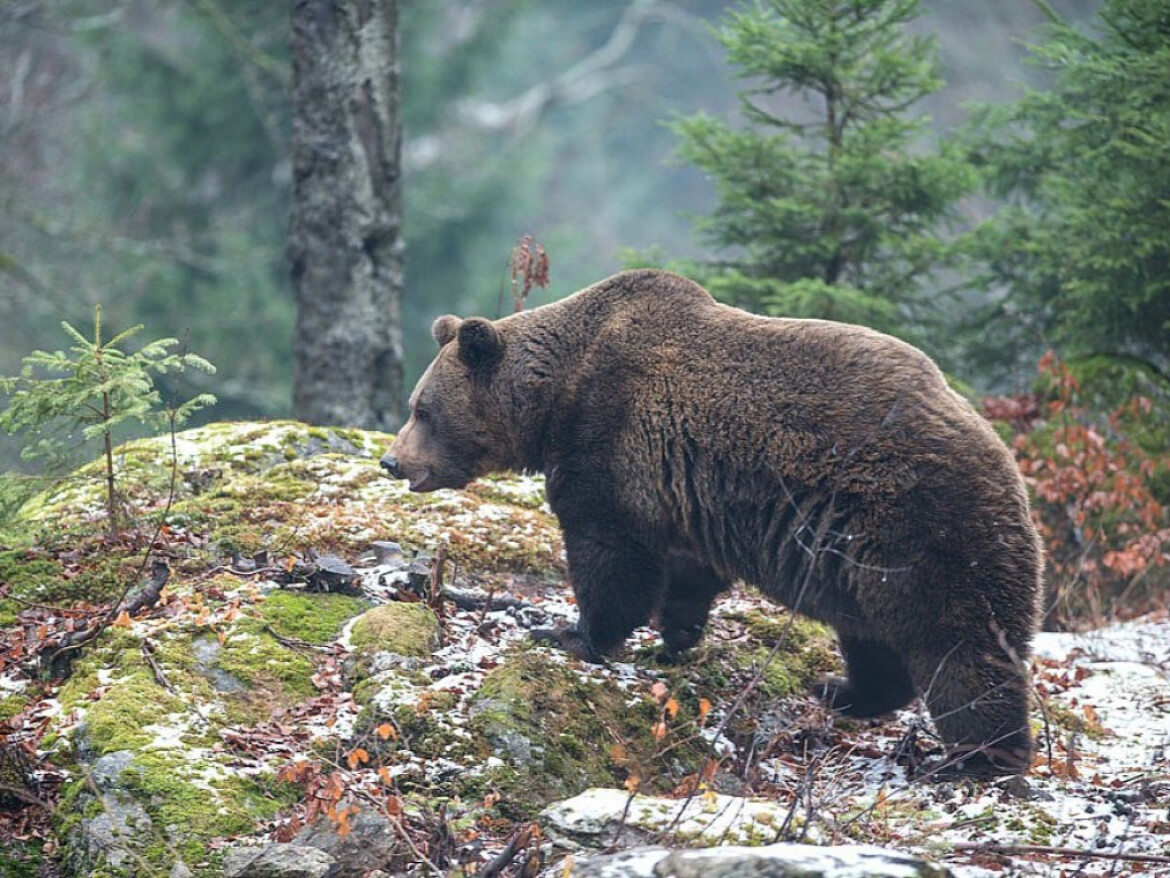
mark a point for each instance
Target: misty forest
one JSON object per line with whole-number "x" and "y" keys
{"x": 232, "y": 645}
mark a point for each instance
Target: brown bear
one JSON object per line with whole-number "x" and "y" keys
{"x": 688, "y": 444}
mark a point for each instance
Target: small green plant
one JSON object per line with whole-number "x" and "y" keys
{"x": 101, "y": 387}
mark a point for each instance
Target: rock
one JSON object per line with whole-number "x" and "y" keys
{"x": 771, "y": 861}
{"x": 406, "y": 629}
{"x": 111, "y": 838}
{"x": 335, "y": 576}
{"x": 1017, "y": 787}
{"x": 277, "y": 861}
{"x": 387, "y": 552}
{"x": 418, "y": 575}
{"x": 370, "y": 844}
{"x": 596, "y": 817}
{"x": 206, "y": 651}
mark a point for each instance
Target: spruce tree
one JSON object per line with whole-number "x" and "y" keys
{"x": 1080, "y": 256}
{"x": 832, "y": 203}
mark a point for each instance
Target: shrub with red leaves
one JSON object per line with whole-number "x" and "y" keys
{"x": 1108, "y": 537}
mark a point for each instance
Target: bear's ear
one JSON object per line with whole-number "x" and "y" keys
{"x": 444, "y": 329}
{"x": 480, "y": 343}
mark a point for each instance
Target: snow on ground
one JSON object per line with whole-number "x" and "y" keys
{"x": 1100, "y": 782}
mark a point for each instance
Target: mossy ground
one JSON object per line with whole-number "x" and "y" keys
{"x": 560, "y": 732}
{"x": 196, "y": 804}
{"x": 315, "y": 618}
{"x": 21, "y": 859}
{"x": 285, "y": 487}
{"x": 408, "y": 629}
{"x": 738, "y": 647}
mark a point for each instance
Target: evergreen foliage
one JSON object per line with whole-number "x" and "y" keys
{"x": 836, "y": 210}
{"x": 1080, "y": 257}
{"x": 100, "y": 387}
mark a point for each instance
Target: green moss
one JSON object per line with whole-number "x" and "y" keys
{"x": 30, "y": 576}
{"x": 317, "y": 618}
{"x": 10, "y": 706}
{"x": 1070, "y": 721}
{"x": 194, "y": 806}
{"x": 119, "y": 719}
{"x": 260, "y": 661}
{"x": 21, "y": 859}
{"x": 806, "y": 655}
{"x": 401, "y": 628}
{"x": 560, "y": 733}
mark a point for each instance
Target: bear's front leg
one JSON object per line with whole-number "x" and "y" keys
{"x": 617, "y": 584}
{"x": 691, "y": 589}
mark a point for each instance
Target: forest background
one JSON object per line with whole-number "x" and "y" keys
{"x": 145, "y": 166}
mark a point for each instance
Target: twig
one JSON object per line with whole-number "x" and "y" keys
{"x": 991, "y": 847}
{"x": 488, "y": 603}
{"x": 434, "y": 595}
{"x": 295, "y": 643}
{"x": 240, "y": 44}
{"x": 517, "y": 843}
{"x": 227, "y": 568}
{"x": 159, "y": 676}
{"x": 25, "y": 796}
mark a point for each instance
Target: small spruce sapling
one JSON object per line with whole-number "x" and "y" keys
{"x": 100, "y": 387}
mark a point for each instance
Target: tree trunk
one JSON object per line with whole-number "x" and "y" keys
{"x": 345, "y": 245}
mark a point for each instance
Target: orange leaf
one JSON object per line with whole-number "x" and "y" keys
{"x": 704, "y": 709}
{"x": 394, "y": 806}
{"x": 632, "y": 783}
{"x": 123, "y": 620}
{"x": 659, "y": 731}
{"x": 672, "y": 707}
{"x": 386, "y": 731}
{"x": 357, "y": 757}
{"x": 658, "y": 690}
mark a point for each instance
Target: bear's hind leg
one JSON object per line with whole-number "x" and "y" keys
{"x": 617, "y": 584}
{"x": 691, "y": 589}
{"x": 877, "y": 681}
{"x": 979, "y": 701}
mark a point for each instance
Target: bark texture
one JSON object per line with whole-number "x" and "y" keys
{"x": 345, "y": 245}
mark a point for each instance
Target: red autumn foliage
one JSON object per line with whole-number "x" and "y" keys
{"x": 1107, "y": 536}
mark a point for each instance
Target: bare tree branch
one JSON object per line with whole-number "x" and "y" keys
{"x": 598, "y": 72}
{"x": 240, "y": 44}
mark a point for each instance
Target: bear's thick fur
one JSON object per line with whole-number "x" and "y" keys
{"x": 687, "y": 444}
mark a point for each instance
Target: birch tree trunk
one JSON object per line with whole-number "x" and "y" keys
{"x": 345, "y": 245}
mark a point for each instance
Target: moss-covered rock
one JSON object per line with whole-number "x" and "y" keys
{"x": 558, "y": 731}
{"x": 138, "y": 812}
{"x": 406, "y": 629}
{"x": 248, "y": 487}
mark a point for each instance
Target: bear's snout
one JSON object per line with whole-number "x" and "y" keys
{"x": 390, "y": 463}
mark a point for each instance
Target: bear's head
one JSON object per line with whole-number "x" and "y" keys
{"x": 456, "y": 431}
